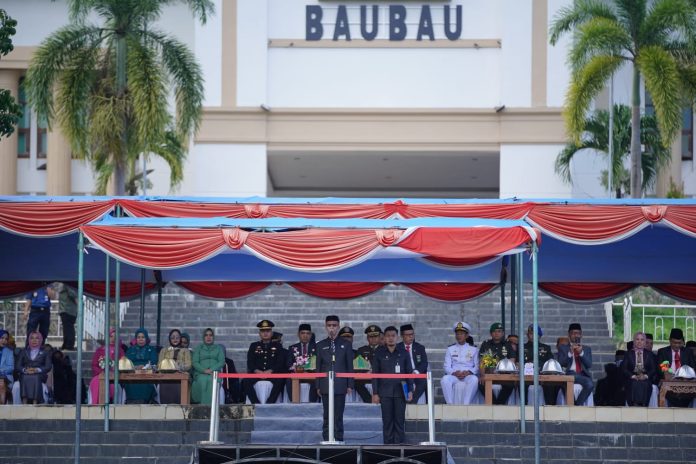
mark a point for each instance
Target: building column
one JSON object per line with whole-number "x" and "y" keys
{"x": 9, "y": 79}
{"x": 58, "y": 163}
{"x": 670, "y": 173}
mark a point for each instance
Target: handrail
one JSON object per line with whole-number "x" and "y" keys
{"x": 215, "y": 407}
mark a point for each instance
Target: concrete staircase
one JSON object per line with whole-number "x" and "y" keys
{"x": 235, "y": 321}
{"x": 301, "y": 424}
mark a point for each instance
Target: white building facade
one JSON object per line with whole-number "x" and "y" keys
{"x": 399, "y": 98}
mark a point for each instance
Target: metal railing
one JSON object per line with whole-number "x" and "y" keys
{"x": 659, "y": 324}
{"x": 94, "y": 318}
{"x": 213, "y": 436}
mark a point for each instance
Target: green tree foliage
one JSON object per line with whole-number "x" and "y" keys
{"x": 655, "y": 37}
{"x": 112, "y": 81}
{"x": 595, "y": 136}
{"x": 10, "y": 111}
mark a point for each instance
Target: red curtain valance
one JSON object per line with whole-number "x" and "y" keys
{"x": 140, "y": 208}
{"x": 447, "y": 292}
{"x": 129, "y": 290}
{"x": 50, "y": 219}
{"x": 585, "y": 292}
{"x": 684, "y": 292}
{"x": 17, "y": 289}
{"x": 451, "y": 292}
{"x": 310, "y": 249}
{"x": 337, "y": 290}
{"x": 224, "y": 290}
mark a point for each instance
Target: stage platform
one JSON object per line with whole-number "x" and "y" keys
{"x": 335, "y": 454}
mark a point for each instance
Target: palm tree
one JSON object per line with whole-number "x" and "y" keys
{"x": 656, "y": 37}
{"x": 596, "y": 137}
{"x": 112, "y": 81}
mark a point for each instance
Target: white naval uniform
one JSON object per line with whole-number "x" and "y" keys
{"x": 460, "y": 358}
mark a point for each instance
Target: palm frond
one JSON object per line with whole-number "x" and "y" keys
{"x": 687, "y": 78}
{"x": 173, "y": 152}
{"x": 585, "y": 86}
{"x": 656, "y": 155}
{"x": 53, "y": 55}
{"x": 662, "y": 81}
{"x": 570, "y": 17}
{"x": 631, "y": 14}
{"x": 187, "y": 78}
{"x": 147, "y": 91}
{"x": 564, "y": 159}
{"x": 599, "y": 36}
{"x": 73, "y": 97}
{"x": 667, "y": 19}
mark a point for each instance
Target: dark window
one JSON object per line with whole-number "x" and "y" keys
{"x": 24, "y": 125}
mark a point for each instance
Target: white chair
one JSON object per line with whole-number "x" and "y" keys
{"x": 263, "y": 390}
{"x": 577, "y": 388}
{"x": 121, "y": 396}
{"x": 16, "y": 395}
{"x": 304, "y": 393}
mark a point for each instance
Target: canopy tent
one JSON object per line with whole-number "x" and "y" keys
{"x": 593, "y": 251}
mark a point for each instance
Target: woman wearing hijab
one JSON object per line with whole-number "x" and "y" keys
{"x": 170, "y": 393}
{"x": 207, "y": 358}
{"x": 6, "y": 366}
{"x": 143, "y": 356}
{"x": 33, "y": 365}
{"x": 98, "y": 366}
{"x": 186, "y": 341}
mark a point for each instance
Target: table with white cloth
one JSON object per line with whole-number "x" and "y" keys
{"x": 489, "y": 379}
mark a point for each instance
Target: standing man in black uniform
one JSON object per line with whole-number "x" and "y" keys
{"x": 265, "y": 357}
{"x": 334, "y": 353}
{"x": 417, "y": 357}
{"x": 545, "y": 353}
{"x": 302, "y": 351}
{"x": 374, "y": 333}
{"x": 499, "y": 349}
{"x": 390, "y": 393}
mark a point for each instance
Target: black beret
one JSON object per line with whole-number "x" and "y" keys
{"x": 574, "y": 326}
{"x": 332, "y": 318}
{"x": 304, "y": 327}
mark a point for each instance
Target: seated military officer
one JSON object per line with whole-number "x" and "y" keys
{"x": 265, "y": 357}
{"x": 545, "y": 353}
{"x": 497, "y": 347}
{"x": 459, "y": 385}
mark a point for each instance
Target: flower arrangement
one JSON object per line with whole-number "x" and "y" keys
{"x": 665, "y": 367}
{"x": 301, "y": 362}
{"x": 488, "y": 360}
{"x": 102, "y": 363}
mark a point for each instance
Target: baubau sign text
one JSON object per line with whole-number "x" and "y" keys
{"x": 369, "y": 23}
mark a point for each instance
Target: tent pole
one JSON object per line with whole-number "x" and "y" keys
{"x": 535, "y": 302}
{"x": 107, "y": 355}
{"x": 503, "y": 279}
{"x": 80, "y": 329}
{"x": 513, "y": 293}
{"x": 142, "y": 298}
{"x": 117, "y": 309}
{"x": 519, "y": 265}
{"x": 159, "y": 313}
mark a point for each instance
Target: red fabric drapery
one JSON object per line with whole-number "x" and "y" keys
{"x": 314, "y": 249}
{"x": 310, "y": 249}
{"x": 585, "y": 292}
{"x": 47, "y": 219}
{"x": 13, "y": 289}
{"x": 587, "y": 222}
{"x": 684, "y": 292}
{"x": 683, "y": 217}
{"x": 129, "y": 290}
{"x": 451, "y": 292}
{"x": 472, "y": 244}
{"x": 224, "y": 290}
{"x": 157, "y": 247}
{"x": 326, "y": 211}
{"x": 337, "y": 290}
